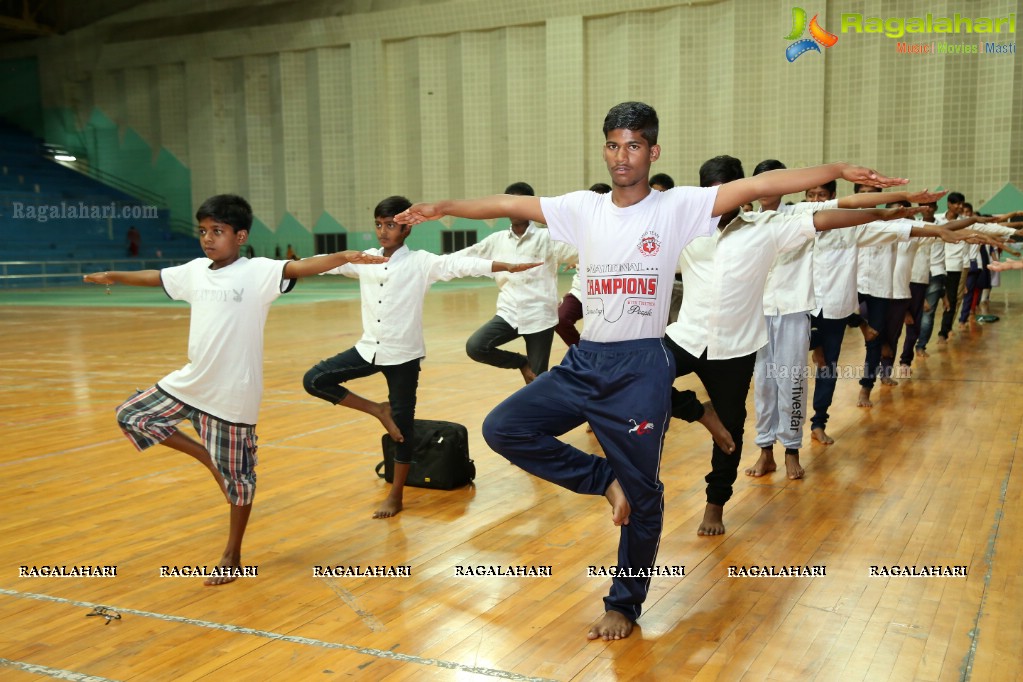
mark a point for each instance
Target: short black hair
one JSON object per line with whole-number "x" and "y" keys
{"x": 521, "y": 189}
{"x": 720, "y": 169}
{"x": 858, "y": 185}
{"x": 662, "y": 179}
{"x": 391, "y": 206}
{"x": 229, "y": 209}
{"x": 831, "y": 187}
{"x": 956, "y": 198}
{"x": 968, "y": 205}
{"x": 633, "y": 116}
{"x": 768, "y": 165}
{"x": 601, "y": 188}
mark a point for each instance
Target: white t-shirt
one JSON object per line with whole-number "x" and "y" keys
{"x": 224, "y": 374}
{"x": 528, "y": 301}
{"x": 627, "y": 256}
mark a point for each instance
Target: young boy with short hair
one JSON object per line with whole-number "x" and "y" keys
{"x": 392, "y": 338}
{"x": 220, "y": 389}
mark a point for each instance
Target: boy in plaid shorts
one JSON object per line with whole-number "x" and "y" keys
{"x": 220, "y": 388}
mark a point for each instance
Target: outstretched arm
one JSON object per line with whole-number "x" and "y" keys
{"x": 497, "y": 206}
{"x": 836, "y": 218}
{"x": 732, "y": 195}
{"x": 137, "y": 278}
{"x": 869, "y": 199}
{"x": 307, "y": 267}
{"x": 498, "y": 266}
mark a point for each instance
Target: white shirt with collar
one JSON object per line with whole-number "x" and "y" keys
{"x": 953, "y": 252}
{"x": 725, "y": 273}
{"x": 789, "y": 287}
{"x": 527, "y": 301}
{"x": 938, "y": 251}
{"x": 392, "y": 299}
{"x": 836, "y": 263}
{"x": 920, "y": 273}
{"x": 905, "y": 259}
{"x": 973, "y": 250}
{"x": 875, "y": 265}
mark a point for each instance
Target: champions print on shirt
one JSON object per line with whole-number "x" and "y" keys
{"x": 617, "y": 289}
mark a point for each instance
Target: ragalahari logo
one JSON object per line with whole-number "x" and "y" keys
{"x": 817, "y": 36}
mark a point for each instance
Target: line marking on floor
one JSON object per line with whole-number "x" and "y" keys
{"x": 309, "y": 641}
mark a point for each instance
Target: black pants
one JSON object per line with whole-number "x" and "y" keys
{"x": 326, "y": 378}
{"x": 727, "y": 383}
{"x": 952, "y": 278}
{"x": 482, "y": 346}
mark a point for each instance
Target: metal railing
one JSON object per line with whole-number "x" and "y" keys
{"x": 70, "y": 272}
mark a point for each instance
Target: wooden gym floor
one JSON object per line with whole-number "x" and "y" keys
{"x": 925, "y": 478}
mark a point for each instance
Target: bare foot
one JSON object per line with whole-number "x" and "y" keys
{"x": 922, "y": 353}
{"x": 942, "y": 341}
{"x": 225, "y": 561}
{"x": 712, "y": 524}
{"x": 390, "y": 507}
{"x": 764, "y": 465}
{"x": 888, "y": 381}
{"x": 869, "y": 333}
{"x": 382, "y": 411}
{"x": 908, "y": 319}
{"x": 620, "y": 508}
{"x": 886, "y": 351}
{"x": 927, "y": 307}
{"x": 821, "y": 437}
{"x": 718, "y": 432}
{"x": 818, "y": 358}
{"x": 527, "y": 373}
{"x": 793, "y": 469}
{"x": 613, "y": 625}
{"x": 864, "y": 399}
{"x": 904, "y": 372}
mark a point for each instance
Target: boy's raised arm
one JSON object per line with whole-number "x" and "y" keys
{"x": 837, "y": 218}
{"x": 486, "y": 208}
{"x": 136, "y": 278}
{"x": 732, "y": 195}
{"x": 314, "y": 265}
{"x": 499, "y": 266}
{"x": 870, "y": 199}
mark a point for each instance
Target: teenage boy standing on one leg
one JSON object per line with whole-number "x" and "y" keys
{"x": 619, "y": 375}
{"x": 392, "y": 339}
{"x": 527, "y": 304}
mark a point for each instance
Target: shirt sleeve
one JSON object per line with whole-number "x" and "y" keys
{"x": 792, "y": 230}
{"x": 563, "y": 214}
{"x": 272, "y": 277}
{"x": 177, "y": 281}
{"x": 696, "y": 206}
{"x": 451, "y": 266}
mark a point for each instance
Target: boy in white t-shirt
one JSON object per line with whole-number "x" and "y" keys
{"x": 220, "y": 388}
{"x": 618, "y": 378}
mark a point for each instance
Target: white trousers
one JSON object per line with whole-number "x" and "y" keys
{"x": 779, "y": 375}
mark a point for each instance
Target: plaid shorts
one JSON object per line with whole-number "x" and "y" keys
{"x": 152, "y": 416}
